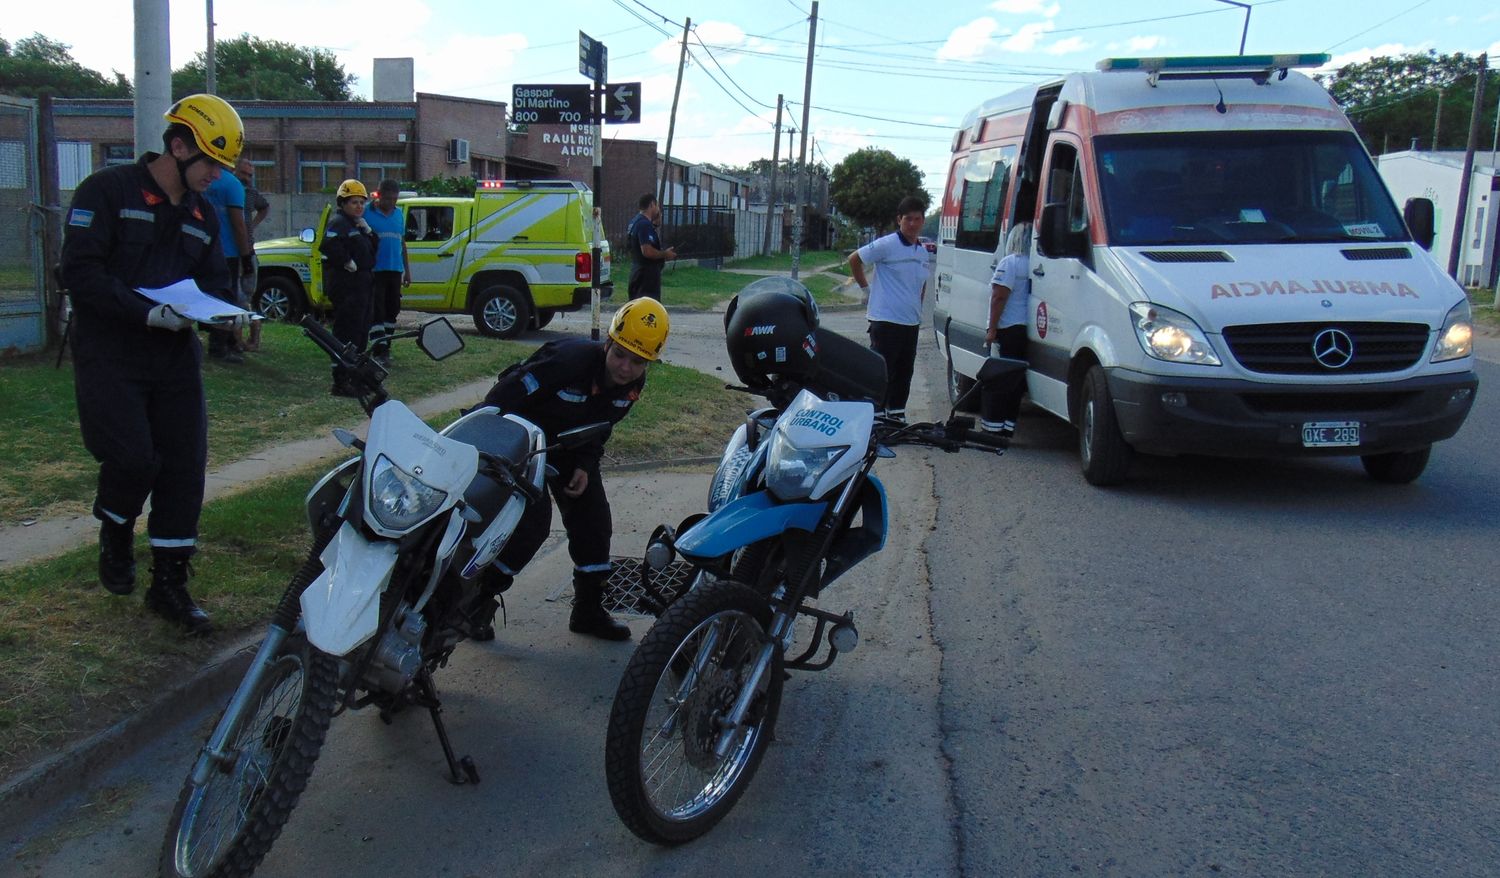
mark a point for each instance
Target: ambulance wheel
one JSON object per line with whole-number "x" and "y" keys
{"x": 1397, "y": 467}
{"x": 544, "y": 316}
{"x": 958, "y": 385}
{"x": 279, "y": 298}
{"x": 1101, "y": 448}
{"x": 501, "y": 311}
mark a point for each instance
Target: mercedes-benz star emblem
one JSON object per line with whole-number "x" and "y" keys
{"x": 1333, "y": 348}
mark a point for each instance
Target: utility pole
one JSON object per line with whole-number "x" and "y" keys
{"x": 812, "y": 38}
{"x": 666, "y": 168}
{"x": 210, "y": 66}
{"x": 765, "y": 248}
{"x": 1437, "y": 118}
{"x": 153, "y": 73}
{"x": 1461, "y": 223}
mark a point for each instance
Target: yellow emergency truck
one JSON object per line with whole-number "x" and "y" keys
{"x": 512, "y": 256}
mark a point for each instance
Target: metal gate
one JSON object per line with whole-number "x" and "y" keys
{"x": 22, "y": 288}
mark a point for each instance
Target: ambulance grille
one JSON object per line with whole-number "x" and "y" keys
{"x": 1377, "y": 253}
{"x": 1287, "y": 348}
{"x": 1186, "y": 255}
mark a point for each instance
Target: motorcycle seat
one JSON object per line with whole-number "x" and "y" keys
{"x": 492, "y": 434}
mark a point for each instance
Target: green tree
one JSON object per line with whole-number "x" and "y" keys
{"x": 37, "y": 66}
{"x": 868, "y": 184}
{"x": 250, "y": 68}
{"x": 1393, "y": 100}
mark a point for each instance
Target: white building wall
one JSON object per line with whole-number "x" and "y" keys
{"x": 1419, "y": 175}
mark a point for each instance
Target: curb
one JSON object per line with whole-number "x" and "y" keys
{"x": 70, "y": 770}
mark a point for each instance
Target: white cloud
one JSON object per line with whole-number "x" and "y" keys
{"x": 1026, "y": 7}
{"x": 1359, "y": 56}
{"x": 1027, "y": 38}
{"x": 969, "y": 41}
{"x": 1068, "y": 45}
{"x": 1138, "y": 45}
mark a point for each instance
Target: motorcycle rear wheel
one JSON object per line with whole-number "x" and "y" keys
{"x": 224, "y": 828}
{"x": 665, "y": 781}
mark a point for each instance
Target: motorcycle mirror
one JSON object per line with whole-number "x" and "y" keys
{"x": 347, "y": 439}
{"x": 438, "y": 339}
{"x": 993, "y": 368}
{"x": 581, "y": 435}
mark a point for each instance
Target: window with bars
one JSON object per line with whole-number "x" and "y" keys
{"x": 265, "y": 174}
{"x": 381, "y": 164}
{"x": 319, "y": 169}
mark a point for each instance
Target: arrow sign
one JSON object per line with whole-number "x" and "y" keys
{"x": 622, "y": 103}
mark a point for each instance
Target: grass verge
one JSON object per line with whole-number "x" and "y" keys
{"x": 1486, "y": 316}
{"x": 811, "y": 260}
{"x": 75, "y": 659}
{"x": 276, "y": 395}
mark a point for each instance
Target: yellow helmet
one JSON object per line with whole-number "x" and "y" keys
{"x": 641, "y": 327}
{"x": 215, "y": 125}
{"x": 351, "y": 188}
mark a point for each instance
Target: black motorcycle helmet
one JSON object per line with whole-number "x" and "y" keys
{"x": 769, "y": 332}
{"x": 776, "y": 346}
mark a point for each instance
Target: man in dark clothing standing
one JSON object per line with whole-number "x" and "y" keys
{"x": 646, "y": 255}
{"x": 569, "y": 383}
{"x": 138, "y": 365}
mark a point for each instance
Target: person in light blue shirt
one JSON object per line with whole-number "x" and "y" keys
{"x": 1010, "y": 313}
{"x": 392, "y": 267}
{"x": 227, "y": 195}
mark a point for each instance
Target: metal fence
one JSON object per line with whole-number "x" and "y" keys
{"x": 23, "y": 326}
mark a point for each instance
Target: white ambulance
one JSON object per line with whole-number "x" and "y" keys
{"x": 1216, "y": 268}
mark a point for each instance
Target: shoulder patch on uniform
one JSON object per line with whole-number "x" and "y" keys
{"x": 81, "y": 218}
{"x": 530, "y": 383}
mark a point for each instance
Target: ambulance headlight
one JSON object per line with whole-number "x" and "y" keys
{"x": 791, "y": 472}
{"x": 400, "y": 500}
{"x": 1456, "y": 339}
{"x": 1172, "y": 336}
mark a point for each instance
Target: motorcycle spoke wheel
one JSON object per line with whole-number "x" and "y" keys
{"x": 666, "y": 779}
{"x": 226, "y": 826}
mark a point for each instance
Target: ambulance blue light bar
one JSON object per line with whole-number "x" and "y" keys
{"x": 1196, "y": 63}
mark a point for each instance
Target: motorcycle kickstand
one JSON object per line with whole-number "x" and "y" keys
{"x": 470, "y": 772}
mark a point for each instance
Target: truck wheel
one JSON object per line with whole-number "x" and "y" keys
{"x": 1397, "y": 467}
{"x": 544, "y": 316}
{"x": 958, "y": 385}
{"x": 279, "y": 298}
{"x": 1101, "y": 448}
{"x": 501, "y": 311}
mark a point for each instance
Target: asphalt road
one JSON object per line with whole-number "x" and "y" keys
{"x": 1237, "y": 668}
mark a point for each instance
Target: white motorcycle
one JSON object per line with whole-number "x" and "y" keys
{"x": 401, "y": 535}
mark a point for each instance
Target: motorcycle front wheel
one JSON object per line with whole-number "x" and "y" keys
{"x": 666, "y": 781}
{"x": 226, "y": 826}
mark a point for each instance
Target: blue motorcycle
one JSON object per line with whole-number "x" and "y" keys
{"x": 792, "y": 507}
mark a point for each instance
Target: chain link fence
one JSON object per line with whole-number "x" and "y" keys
{"x": 22, "y": 220}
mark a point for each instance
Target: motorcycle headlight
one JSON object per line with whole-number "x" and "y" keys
{"x": 1456, "y": 338}
{"x": 791, "y": 472}
{"x": 1170, "y": 335}
{"x": 398, "y": 499}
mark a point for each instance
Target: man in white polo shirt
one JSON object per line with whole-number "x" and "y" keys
{"x": 901, "y": 262}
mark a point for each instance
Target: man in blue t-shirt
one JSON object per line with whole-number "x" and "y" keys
{"x": 392, "y": 268}
{"x": 646, "y": 255}
{"x": 227, "y": 195}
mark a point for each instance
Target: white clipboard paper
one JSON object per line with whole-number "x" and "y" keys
{"x": 188, "y": 300}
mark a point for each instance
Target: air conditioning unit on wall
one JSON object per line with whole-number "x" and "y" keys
{"x": 458, "y": 151}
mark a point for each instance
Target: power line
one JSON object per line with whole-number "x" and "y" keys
{"x": 1372, "y": 27}
{"x": 726, "y": 73}
{"x": 877, "y": 118}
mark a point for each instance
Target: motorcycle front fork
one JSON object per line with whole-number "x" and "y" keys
{"x": 733, "y": 723}
{"x": 214, "y": 754}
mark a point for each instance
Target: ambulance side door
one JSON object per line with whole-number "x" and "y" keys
{"x": 435, "y": 239}
{"x": 1062, "y": 304}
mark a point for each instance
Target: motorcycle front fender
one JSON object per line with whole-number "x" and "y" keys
{"x": 341, "y": 608}
{"x": 746, "y": 520}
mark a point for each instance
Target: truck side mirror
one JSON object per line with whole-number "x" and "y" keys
{"x": 1055, "y": 236}
{"x": 1419, "y": 216}
{"x": 308, "y": 236}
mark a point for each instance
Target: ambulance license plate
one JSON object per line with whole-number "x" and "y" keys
{"x": 1330, "y": 434}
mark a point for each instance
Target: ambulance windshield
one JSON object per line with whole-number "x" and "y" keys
{"x": 1242, "y": 187}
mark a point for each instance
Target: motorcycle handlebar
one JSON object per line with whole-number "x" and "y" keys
{"x": 325, "y": 340}
{"x": 503, "y": 470}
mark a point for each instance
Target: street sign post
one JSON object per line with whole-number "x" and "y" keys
{"x": 593, "y": 58}
{"x": 622, "y": 103}
{"x": 565, "y": 104}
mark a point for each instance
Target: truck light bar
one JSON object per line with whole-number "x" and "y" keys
{"x": 1224, "y": 63}
{"x": 528, "y": 184}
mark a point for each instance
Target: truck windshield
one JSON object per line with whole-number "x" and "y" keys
{"x": 1242, "y": 187}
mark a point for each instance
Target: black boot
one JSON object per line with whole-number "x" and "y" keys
{"x": 589, "y": 616}
{"x": 117, "y": 556}
{"x": 481, "y": 612}
{"x": 168, "y": 595}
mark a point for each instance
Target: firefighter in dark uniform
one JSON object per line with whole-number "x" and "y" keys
{"x": 348, "y": 249}
{"x": 137, "y": 365}
{"x": 569, "y": 383}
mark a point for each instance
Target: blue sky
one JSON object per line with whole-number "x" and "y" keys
{"x": 895, "y": 75}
